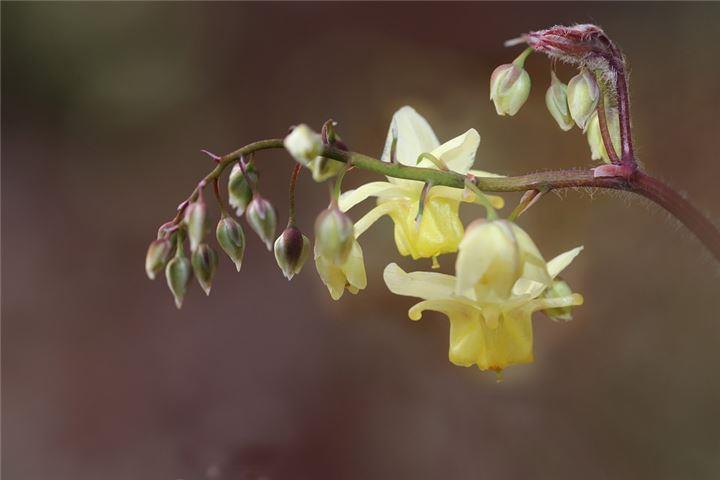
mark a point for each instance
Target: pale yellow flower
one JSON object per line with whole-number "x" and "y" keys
{"x": 500, "y": 277}
{"x": 349, "y": 274}
{"x": 439, "y": 229}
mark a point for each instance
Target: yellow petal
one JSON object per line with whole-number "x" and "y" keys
{"x": 425, "y": 285}
{"x": 559, "y": 263}
{"x": 414, "y": 136}
{"x": 459, "y": 153}
{"x": 354, "y": 269}
{"x": 371, "y": 217}
{"x": 373, "y": 189}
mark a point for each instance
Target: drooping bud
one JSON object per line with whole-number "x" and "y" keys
{"x": 231, "y": 238}
{"x": 583, "y": 94}
{"x": 177, "y": 274}
{"x": 303, "y": 144}
{"x": 594, "y": 135}
{"x": 291, "y": 251}
{"x": 510, "y": 86}
{"x": 239, "y": 189}
{"x": 334, "y": 235}
{"x": 204, "y": 263}
{"x": 559, "y": 288}
{"x": 262, "y": 218}
{"x": 556, "y": 101}
{"x": 195, "y": 220}
{"x": 157, "y": 256}
{"x": 323, "y": 168}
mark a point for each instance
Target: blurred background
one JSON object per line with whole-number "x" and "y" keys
{"x": 105, "y": 107}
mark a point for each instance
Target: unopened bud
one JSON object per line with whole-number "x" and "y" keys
{"x": 583, "y": 94}
{"x": 291, "y": 251}
{"x": 262, "y": 218}
{"x": 303, "y": 144}
{"x": 594, "y": 135}
{"x": 323, "y": 168}
{"x": 510, "y": 87}
{"x": 334, "y": 235}
{"x": 556, "y": 101}
{"x": 204, "y": 263}
{"x": 559, "y": 288}
{"x": 231, "y": 238}
{"x": 178, "y": 273}
{"x": 195, "y": 216}
{"x": 157, "y": 256}
{"x": 239, "y": 188}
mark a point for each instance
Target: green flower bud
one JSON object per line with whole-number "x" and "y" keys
{"x": 556, "y": 101}
{"x": 195, "y": 219}
{"x": 303, "y": 144}
{"x": 323, "y": 168}
{"x": 262, "y": 218}
{"x": 583, "y": 94}
{"x": 594, "y": 135}
{"x": 334, "y": 235}
{"x": 239, "y": 190}
{"x": 509, "y": 88}
{"x": 178, "y": 273}
{"x": 559, "y": 288}
{"x": 204, "y": 263}
{"x": 231, "y": 238}
{"x": 291, "y": 251}
{"x": 157, "y": 256}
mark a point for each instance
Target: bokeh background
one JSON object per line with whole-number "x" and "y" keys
{"x": 105, "y": 107}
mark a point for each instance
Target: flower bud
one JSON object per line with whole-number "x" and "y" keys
{"x": 559, "y": 288}
{"x": 157, "y": 256}
{"x": 239, "y": 189}
{"x": 291, "y": 251}
{"x": 262, "y": 218}
{"x": 231, "y": 238}
{"x": 594, "y": 135}
{"x": 323, "y": 168}
{"x": 509, "y": 88}
{"x": 303, "y": 144}
{"x": 556, "y": 101}
{"x": 195, "y": 216}
{"x": 583, "y": 94}
{"x": 334, "y": 235}
{"x": 177, "y": 273}
{"x": 204, "y": 263}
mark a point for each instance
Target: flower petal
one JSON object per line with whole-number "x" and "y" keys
{"x": 354, "y": 269}
{"x": 458, "y": 153}
{"x": 425, "y": 285}
{"x": 373, "y": 189}
{"x": 558, "y": 264}
{"x": 372, "y": 216}
{"x": 463, "y": 195}
{"x": 414, "y": 136}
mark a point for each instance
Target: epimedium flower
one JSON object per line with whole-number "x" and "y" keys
{"x": 340, "y": 276}
{"x": 438, "y": 230}
{"x": 510, "y": 86}
{"x": 500, "y": 280}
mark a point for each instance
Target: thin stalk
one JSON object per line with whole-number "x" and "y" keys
{"x": 293, "y": 183}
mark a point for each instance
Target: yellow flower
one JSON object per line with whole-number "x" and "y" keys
{"x": 439, "y": 229}
{"x": 349, "y": 274}
{"x": 499, "y": 282}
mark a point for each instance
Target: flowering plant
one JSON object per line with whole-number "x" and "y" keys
{"x": 501, "y": 278}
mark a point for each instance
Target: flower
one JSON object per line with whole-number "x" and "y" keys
{"x": 303, "y": 143}
{"x": 349, "y": 274}
{"x": 500, "y": 278}
{"x": 291, "y": 251}
{"x": 439, "y": 229}
{"x": 556, "y": 101}
{"x": 509, "y": 88}
{"x": 583, "y": 94}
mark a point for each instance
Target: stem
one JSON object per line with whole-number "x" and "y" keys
{"x": 628, "y": 156}
{"x": 216, "y": 189}
{"x": 602, "y": 120}
{"x": 293, "y": 183}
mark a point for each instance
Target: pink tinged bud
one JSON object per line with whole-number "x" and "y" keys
{"x": 157, "y": 256}
{"x": 573, "y": 44}
{"x": 239, "y": 189}
{"x": 204, "y": 263}
{"x": 262, "y": 219}
{"x": 583, "y": 94}
{"x": 178, "y": 273}
{"x": 334, "y": 235}
{"x": 291, "y": 251}
{"x": 195, "y": 217}
{"x": 556, "y": 101}
{"x": 509, "y": 88}
{"x": 231, "y": 238}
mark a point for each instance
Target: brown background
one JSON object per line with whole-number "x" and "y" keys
{"x": 104, "y": 110}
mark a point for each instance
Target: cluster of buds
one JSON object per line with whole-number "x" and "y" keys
{"x": 576, "y": 103}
